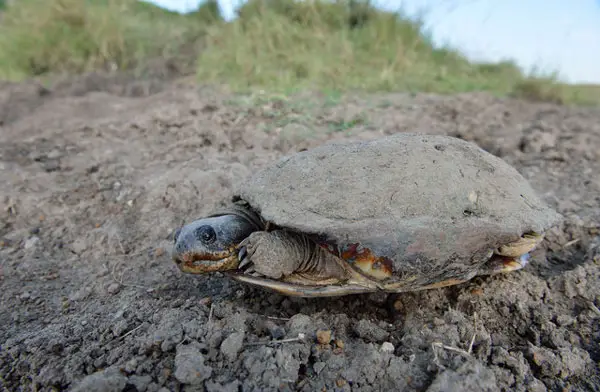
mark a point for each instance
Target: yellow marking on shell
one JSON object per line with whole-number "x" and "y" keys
{"x": 523, "y": 245}
{"x": 377, "y": 267}
{"x": 510, "y": 265}
{"x": 504, "y": 264}
{"x": 373, "y": 268}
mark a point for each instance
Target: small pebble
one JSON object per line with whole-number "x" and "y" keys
{"x": 565, "y": 320}
{"x": 318, "y": 367}
{"x": 206, "y": 301}
{"x": 189, "y": 365}
{"x": 54, "y": 154}
{"x": 31, "y": 242}
{"x": 477, "y": 291}
{"x": 324, "y": 336}
{"x": 131, "y": 365}
{"x": 177, "y": 303}
{"x": 51, "y": 165}
{"x": 398, "y": 305}
{"x": 25, "y": 296}
{"x": 140, "y": 383}
{"x": 277, "y": 332}
{"x": 232, "y": 345}
{"x": 113, "y": 288}
{"x": 387, "y": 347}
{"x": 339, "y": 343}
{"x": 79, "y": 246}
{"x": 110, "y": 379}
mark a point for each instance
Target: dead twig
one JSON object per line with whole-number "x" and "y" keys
{"x": 130, "y": 332}
{"x": 474, "y": 333}
{"x": 466, "y": 353}
{"x": 593, "y": 308}
{"x": 300, "y": 337}
{"x": 450, "y": 348}
{"x": 124, "y": 336}
{"x": 278, "y": 318}
{"x": 571, "y": 243}
{"x": 210, "y": 313}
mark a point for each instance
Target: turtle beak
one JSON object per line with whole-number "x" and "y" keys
{"x": 196, "y": 263}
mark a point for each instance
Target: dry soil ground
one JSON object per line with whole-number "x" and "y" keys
{"x": 97, "y": 173}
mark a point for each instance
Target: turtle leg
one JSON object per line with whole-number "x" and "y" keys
{"x": 290, "y": 260}
{"x": 513, "y": 256}
{"x": 501, "y": 264}
{"x": 523, "y": 245}
{"x": 278, "y": 254}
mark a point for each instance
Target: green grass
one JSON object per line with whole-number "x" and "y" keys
{"x": 280, "y": 46}
{"x": 39, "y": 37}
{"x": 286, "y": 45}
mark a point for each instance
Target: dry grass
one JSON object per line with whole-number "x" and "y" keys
{"x": 38, "y": 37}
{"x": 286, "y": 45}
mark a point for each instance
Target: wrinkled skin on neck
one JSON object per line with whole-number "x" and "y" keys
{"x": 210, "y": 244}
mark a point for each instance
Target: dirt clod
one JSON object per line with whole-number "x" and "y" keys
{"x": 189, "y": 365}
{"x": 232, "y": 345}
{"x": 109, "y": 380}
{"x": 387, "y": 347}
{"x": 470, "y": 377}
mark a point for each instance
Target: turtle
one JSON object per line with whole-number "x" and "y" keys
{"x": 403, "y": 212}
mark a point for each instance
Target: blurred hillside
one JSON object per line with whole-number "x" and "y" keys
{"x": 274, "y": 45}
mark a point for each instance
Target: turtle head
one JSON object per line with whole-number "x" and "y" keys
{"x": 210, "y": 244}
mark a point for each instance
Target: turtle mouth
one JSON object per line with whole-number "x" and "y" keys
{"x": 205, "y": 262}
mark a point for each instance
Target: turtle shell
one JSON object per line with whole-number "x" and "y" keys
{"x": 419, "y": 207}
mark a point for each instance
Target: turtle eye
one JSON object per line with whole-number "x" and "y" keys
{"x": 206, "y": 234}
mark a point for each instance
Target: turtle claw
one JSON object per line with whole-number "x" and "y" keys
{"x": 523, "y": 245}
{"x": 245, "y": 261}
{"x": 513, "y": 256}
{"x": 242, "y": 256}
{"x": 246, "y": 264}
{"x": 503, "y": 264}
{"x": 245, "y": 256}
